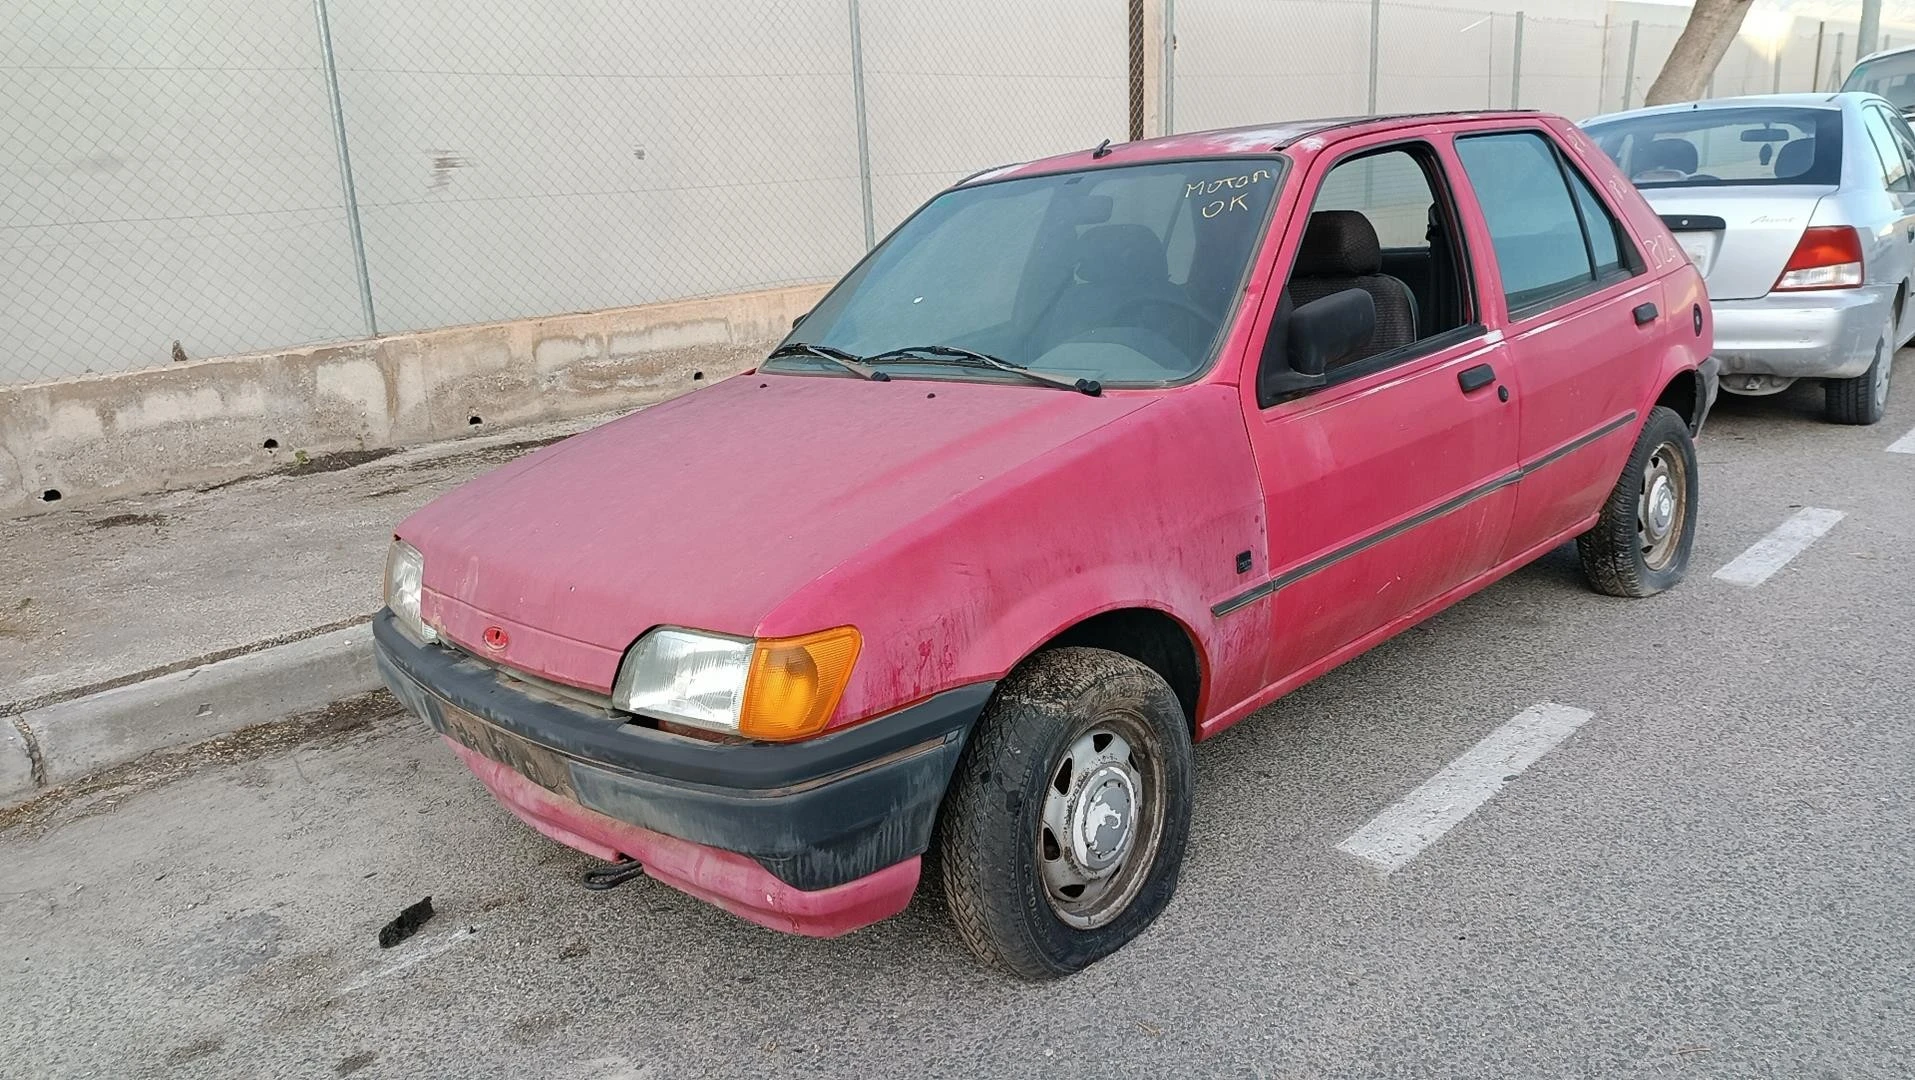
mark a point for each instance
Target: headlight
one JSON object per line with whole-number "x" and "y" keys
{"x": 775, "y": 688}
{"x": 405, "y": 577}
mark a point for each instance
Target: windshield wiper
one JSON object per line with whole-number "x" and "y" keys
{"x": 927, "y": 354}
{"x": 851, "y": 362}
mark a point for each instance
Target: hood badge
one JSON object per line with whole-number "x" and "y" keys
{"x": 496, "y": 638}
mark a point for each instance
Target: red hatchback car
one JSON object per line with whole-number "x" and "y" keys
{"x": 1090, "y": 459}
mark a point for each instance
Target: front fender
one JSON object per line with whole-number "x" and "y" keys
{"x": 1151, "y": 510}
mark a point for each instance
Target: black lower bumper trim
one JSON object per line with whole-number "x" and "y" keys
{"x": 815, "y": 814}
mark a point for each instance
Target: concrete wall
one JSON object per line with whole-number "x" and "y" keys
{"x": 188, "y": 424}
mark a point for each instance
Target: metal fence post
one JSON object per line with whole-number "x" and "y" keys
{"x": 1629, "y": 68}
{"x": 1170, "y": 67}
{"x": 1777, "y": 88}
{"x": 1376, "y": 33}
{"x": 1516, "y": 68}
{"x": 345, "y": 167}
{"x": 1815, "y": 73}
{"x": 864, "y": 134}
{"x": 1835, "y": 70}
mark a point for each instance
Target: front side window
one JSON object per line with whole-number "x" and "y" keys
{"x": 1736, "y": 147}
{"x": 1122, "y": 275}
{"x": 1380, "y": 224}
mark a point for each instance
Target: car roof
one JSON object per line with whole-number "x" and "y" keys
{"x": 1794, "y": 101}
{"x": 1897, "y": 51}
{"x": 1252, "y": 140}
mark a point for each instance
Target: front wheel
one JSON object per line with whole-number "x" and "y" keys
{"x": 1640, "y": 544}
{"x": 1064, "y": 831}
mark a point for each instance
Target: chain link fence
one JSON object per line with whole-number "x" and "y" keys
{"x": 191, "y": 178}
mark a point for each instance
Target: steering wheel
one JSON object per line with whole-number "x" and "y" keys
{"x": 1193, "y": 317}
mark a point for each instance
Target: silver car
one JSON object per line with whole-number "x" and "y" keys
{"x": 1890, "y": 73}
{"x": 1799, "y": 209}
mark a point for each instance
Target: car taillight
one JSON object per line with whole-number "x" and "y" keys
{"x": 1827, "y": 257}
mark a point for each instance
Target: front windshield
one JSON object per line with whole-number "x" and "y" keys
{"x": 1893, "y": 77}
{"x": 1742, "y": 146}
{"x": 1121, "y": 275}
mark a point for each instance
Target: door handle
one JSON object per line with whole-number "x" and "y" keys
{"x": 1474, "y": 379}
{"x": 1645, "y": 313}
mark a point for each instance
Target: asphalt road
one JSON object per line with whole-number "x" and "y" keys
{"x": 1714, "y": 875}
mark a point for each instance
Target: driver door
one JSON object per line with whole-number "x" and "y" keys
{"x": 1394, "y": 484}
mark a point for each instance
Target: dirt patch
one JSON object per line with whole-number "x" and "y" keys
{"x": 104, "y": 791}
{"x": 120, "y": 521}
{"x": 13, "y": 623}
{"x": 308, "y": 466}
{"x": 342, "y": 459}
{"x": 195, "y": 1050}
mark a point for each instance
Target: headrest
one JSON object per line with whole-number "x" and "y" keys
{"x": 1338, "y": 243}
{"x": 1794, "y": 158}
{"x": 1671, "y": 153}
{"x": 1121, "y": 255}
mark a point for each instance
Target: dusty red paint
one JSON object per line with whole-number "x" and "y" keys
{"x": 730, "y": 881}
{"x": 960, "y": 532}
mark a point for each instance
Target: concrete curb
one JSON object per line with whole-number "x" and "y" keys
{"x": 68, "y": 740}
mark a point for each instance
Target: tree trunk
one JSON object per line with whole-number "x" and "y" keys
{"x": 1705, "y": 39}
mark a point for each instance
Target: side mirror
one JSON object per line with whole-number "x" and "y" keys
{"x": 799, "y": 319}
{"x": 1318, "y": 335}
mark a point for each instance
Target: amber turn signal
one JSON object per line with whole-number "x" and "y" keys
{"x": 794, "y": 684}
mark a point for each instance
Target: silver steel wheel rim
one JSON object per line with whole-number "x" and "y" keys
{"x": 1662, "y": 507}
{"x": 1101, "y": 821}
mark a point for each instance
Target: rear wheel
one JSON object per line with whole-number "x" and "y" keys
{"x": 1640, "y": 544}
{"x": 1863, "y": 399}
{"x": 1065, "y": 828}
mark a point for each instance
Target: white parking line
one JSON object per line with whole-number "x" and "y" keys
{"x": 1903, "y": 445}
{"x": 1398, "y": 834}
{"x": 1773, "y": 552}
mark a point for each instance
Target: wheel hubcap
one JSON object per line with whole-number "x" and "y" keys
{"x": 1885, "y": 359}
{"x": 1100, "y": 822}
{"x": 1661, "y": 509}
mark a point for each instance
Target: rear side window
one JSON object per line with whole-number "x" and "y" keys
{"x": 1736, "y": 147}
{"x": 1606, "y": 239}
{"x": 1888, "y": 153}
{"x": 1536, "y": 223}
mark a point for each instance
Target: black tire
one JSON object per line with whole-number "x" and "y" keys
{"x": 999, "y": 874}
{"x": 1623, "y": 554}
{"x": 1863, "y": 399}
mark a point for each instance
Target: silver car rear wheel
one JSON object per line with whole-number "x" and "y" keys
{"x": 1864, "y": 398}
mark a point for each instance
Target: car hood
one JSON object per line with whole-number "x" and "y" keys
{"x": 708, "y": 510}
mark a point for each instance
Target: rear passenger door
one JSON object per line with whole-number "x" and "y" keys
{"x": 1582, "y": 319}
{"x": 1895, "y": 253}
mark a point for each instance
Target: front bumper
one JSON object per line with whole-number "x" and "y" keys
{"x": 818, "y": 837}
{"x": 1824, "y": 335}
